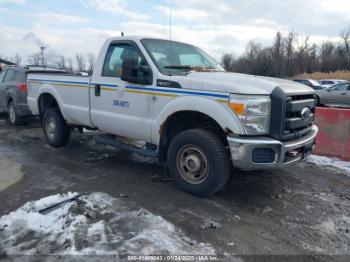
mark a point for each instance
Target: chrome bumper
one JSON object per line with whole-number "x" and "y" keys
{"x": 242, "y": 149}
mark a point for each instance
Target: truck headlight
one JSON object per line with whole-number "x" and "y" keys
{"x": 253, "y": 111}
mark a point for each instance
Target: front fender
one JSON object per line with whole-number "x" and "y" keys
{"x": 220, "y": 112}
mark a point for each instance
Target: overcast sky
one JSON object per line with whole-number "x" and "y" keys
{"x": 218, "y": 26}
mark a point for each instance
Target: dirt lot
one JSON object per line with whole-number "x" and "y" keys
{"x": 300, "y": 210}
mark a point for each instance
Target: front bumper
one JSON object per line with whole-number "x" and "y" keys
{"x": 243, "y": 148}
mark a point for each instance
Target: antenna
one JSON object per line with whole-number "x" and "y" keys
{"x": 121, "y": 18}
{"x": 170, "y": 31}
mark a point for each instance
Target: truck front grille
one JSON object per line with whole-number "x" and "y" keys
{"x": 287, "y": 121}
{"x": 295, "y": 126}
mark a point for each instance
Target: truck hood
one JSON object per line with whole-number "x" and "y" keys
{"x": 238, "y": 83}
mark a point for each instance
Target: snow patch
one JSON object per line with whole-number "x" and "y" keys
{"x": 95, "y": 224}
{"x": 329, "y": 162}
{"x": 328, "y": 227}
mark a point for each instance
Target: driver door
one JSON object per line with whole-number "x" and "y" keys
{"x": 115, "y": 108}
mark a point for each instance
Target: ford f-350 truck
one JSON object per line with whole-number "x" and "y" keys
{"x": 198, "y": 119}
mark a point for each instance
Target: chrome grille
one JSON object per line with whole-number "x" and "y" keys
{"x": 287, "y": 122}
{"x": 294, "y": 125}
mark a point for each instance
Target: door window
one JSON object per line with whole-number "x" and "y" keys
{"x": 340, "y": 87}
{"x": 19, "y": 76}
{"x": 327, "y": 82}
{"x": 2, "y": 76}
{"x": 115, "y": 56}
{"x": 9, "y": 75}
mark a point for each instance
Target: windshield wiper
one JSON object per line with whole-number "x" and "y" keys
{"x": 191, "y": 68}
{"x": 179, "y": 67}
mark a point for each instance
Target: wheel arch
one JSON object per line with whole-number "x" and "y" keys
{"x": 9, "y": 99}
{"x": 213, "y": 117}
{"x": 218, "y": 111}
{"x": 46, "y": 101}
{"x": 46, "y": 91}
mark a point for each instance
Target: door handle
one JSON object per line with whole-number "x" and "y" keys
{"x": 97, "y": 90}
{"x": 343, "y": 94}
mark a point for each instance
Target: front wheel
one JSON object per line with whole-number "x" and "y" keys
{"x": 199, "y": 162}
{"x": 318, "y": 101}
{"x": 57, "y": 132}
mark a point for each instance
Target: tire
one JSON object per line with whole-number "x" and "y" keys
{"x": 14, "y": 118}
{"x": 57, "y": 132}
{"x": 199, "y": 162}
{"x": 318, "y": 101}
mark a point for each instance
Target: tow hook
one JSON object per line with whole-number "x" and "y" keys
{"x": 293, "y": 153}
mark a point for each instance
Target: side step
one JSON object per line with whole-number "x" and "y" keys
{"x": 117, "y": 142}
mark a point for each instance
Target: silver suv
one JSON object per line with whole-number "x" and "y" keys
{"x": 13, "y": 91}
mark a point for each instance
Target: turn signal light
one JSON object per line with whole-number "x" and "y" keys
{"x": 237, "y": 108}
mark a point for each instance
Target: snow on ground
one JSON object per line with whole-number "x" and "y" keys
{"x": 94, "y": 224}
{"x": 333, "y": 163}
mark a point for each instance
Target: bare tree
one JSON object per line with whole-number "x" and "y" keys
{"x": 81, "y": 63}
{"x": 277, "y": 54}
{"x": 17, "y": 59}
{"x": 288, "y": 57}
{"x": 61, "y": 62}
{"x": 289, "y": 42}
{"x": 302, "y": 51}
{"x": 35, "y": 59}
{"x": 326, "y": 56}
{"x": 70, "y": 65}
{"x": 345, "y": 35}
{"x": 228, "y": 61}
{"x": 91, "y": 62}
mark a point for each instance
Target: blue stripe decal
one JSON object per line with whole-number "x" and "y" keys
{"x": 177, "y": 91}
{"x": 107, "y": 85}
{"x": 59, "y": 81}
{"x": 72, "y": 83}
{"x": 137, "y": 88}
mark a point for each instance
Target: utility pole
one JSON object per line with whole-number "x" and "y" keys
{"x": 42, "y": 55}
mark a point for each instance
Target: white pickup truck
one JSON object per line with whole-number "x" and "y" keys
{"x": 198, "y": 119}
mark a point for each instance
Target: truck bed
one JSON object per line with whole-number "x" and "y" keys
{"x": 71, "y": 92}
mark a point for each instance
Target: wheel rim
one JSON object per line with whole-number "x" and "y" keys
{"x": 51, "y": 128}
{"x": 192, "y": 164}
{"x": 12, "y": 113}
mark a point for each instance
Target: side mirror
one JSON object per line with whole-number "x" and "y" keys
{"x": 133, "y": 73}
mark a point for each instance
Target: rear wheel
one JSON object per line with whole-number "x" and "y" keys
{"x": 199, "y": 162}
{"x": 14, "y": 118}
{"x": 56, "y": 131}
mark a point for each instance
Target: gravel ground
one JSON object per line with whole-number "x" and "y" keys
{"x": 300, "y": 210}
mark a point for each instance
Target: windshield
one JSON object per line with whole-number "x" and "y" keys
{"x": 314, "y": 82}
{"x": 326, "y": 82}
{"x": 173, "y": 58}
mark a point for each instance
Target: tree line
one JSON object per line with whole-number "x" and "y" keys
{"x": 79, "y": 63}
{"x": 291, "y": 55}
